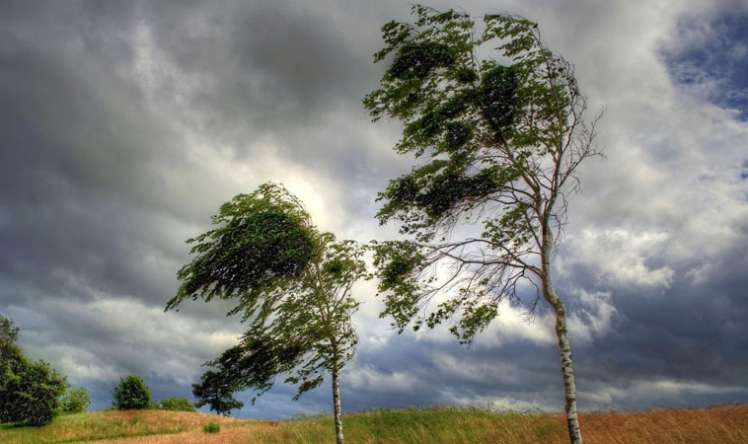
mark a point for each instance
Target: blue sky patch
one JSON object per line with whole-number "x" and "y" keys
{"x": 713, "y": 61}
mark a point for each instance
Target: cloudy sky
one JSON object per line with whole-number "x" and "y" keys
{"x": 124, "y": 125}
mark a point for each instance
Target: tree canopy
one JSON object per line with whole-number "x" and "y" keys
{"x": 293, "y": 284}
{"x": 497, "y": 139}
{"x": 309, "y": 334}
{"x": 131, "y": 393}
{"x": 260, "y": 244}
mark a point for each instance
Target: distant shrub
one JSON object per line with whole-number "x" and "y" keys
{"x": 132, "y": 393}
{"x": 211, "y": 427}
{"x": 29, "y": 390}
{"x": 8, "y": 331}
{"x": 176, "y": 404}
{"x": 75, "y": 401}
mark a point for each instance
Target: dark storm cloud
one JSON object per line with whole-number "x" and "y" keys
{"x": 74, "y": 151}
{"x": 92, "y": 215}
{"x": 125, "y": 125}
{"x": 291, "y": 73}
{"x": 675, "y": 341}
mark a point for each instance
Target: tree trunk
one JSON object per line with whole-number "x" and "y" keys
{"x": 567, "y": 367}
{"x": 564, "y": 346}
{"x": 338, "y": 410}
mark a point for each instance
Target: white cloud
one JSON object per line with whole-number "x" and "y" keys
{"x": 512, "y": 323}
{"x": 516, "y": 323}
{"x": 499, "y": 403}
{"x": 594, "y": 316}
{"x": 657, "y": 390}
{"x": 136, "y": 338}
{"x": 619, "y": 255}
{"x": 366, "y": 377}
{"x": 476, "y": 371}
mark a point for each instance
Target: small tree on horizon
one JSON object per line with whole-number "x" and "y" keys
{"x": 501, "y": 141}
{"x": 293, "y": 285}
{"x": 131, "y": 393}
{"x": 176, "y": 405}
{"x": 75, "y": 401}
{"x": 216, "y": 391}
{"x": 8, "y": 331}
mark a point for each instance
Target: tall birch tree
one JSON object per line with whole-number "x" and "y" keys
{"x": 294, "y": 287}
{"x": 498, "y": 137}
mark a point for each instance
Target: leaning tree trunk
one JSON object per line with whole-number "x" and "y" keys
{"x": 567, "y": 366}
{"x": 338, "y": 411}
{"x": 564, "y": 346}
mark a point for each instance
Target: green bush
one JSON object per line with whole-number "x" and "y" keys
{"x": 29, "y": 391}
{"x": 176, "y": 404}
{"x": 75, "y": 401}
{"x": 8, "y": 331}
{"x": 211, "y": 427}
{"x": 131, "y": 393}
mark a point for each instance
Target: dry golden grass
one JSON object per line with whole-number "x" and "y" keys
{"x": 721, "y": 425}
{"x": 726, "y": 425}
{"x": 109, "y": 424}
{"x": 239, "y": 432}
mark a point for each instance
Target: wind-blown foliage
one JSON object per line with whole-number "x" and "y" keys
{"x": 498, "y": 142}
{"x": 294, "y": 287}
{"x": 260, "y": 244}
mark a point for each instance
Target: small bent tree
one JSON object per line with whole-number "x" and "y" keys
{"x": 293, "y": 285}
{"x": 501, "y": 141}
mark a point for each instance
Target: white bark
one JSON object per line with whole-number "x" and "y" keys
{"x": 564, "y": 346}
{"x": 338, "y": 410}
{"x": 567, "y": 367}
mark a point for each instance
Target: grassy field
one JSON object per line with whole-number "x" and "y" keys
{"x": 722, "y": 425}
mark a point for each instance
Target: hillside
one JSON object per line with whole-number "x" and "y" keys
{"x": 723, "y": 425}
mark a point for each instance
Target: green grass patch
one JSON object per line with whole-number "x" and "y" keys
{"x": 437, "y": 425}
{"x": 211, "y": 428}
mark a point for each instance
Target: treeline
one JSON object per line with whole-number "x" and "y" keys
{"x": 132, "y": 393}
{"x": 32, "y": 393}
